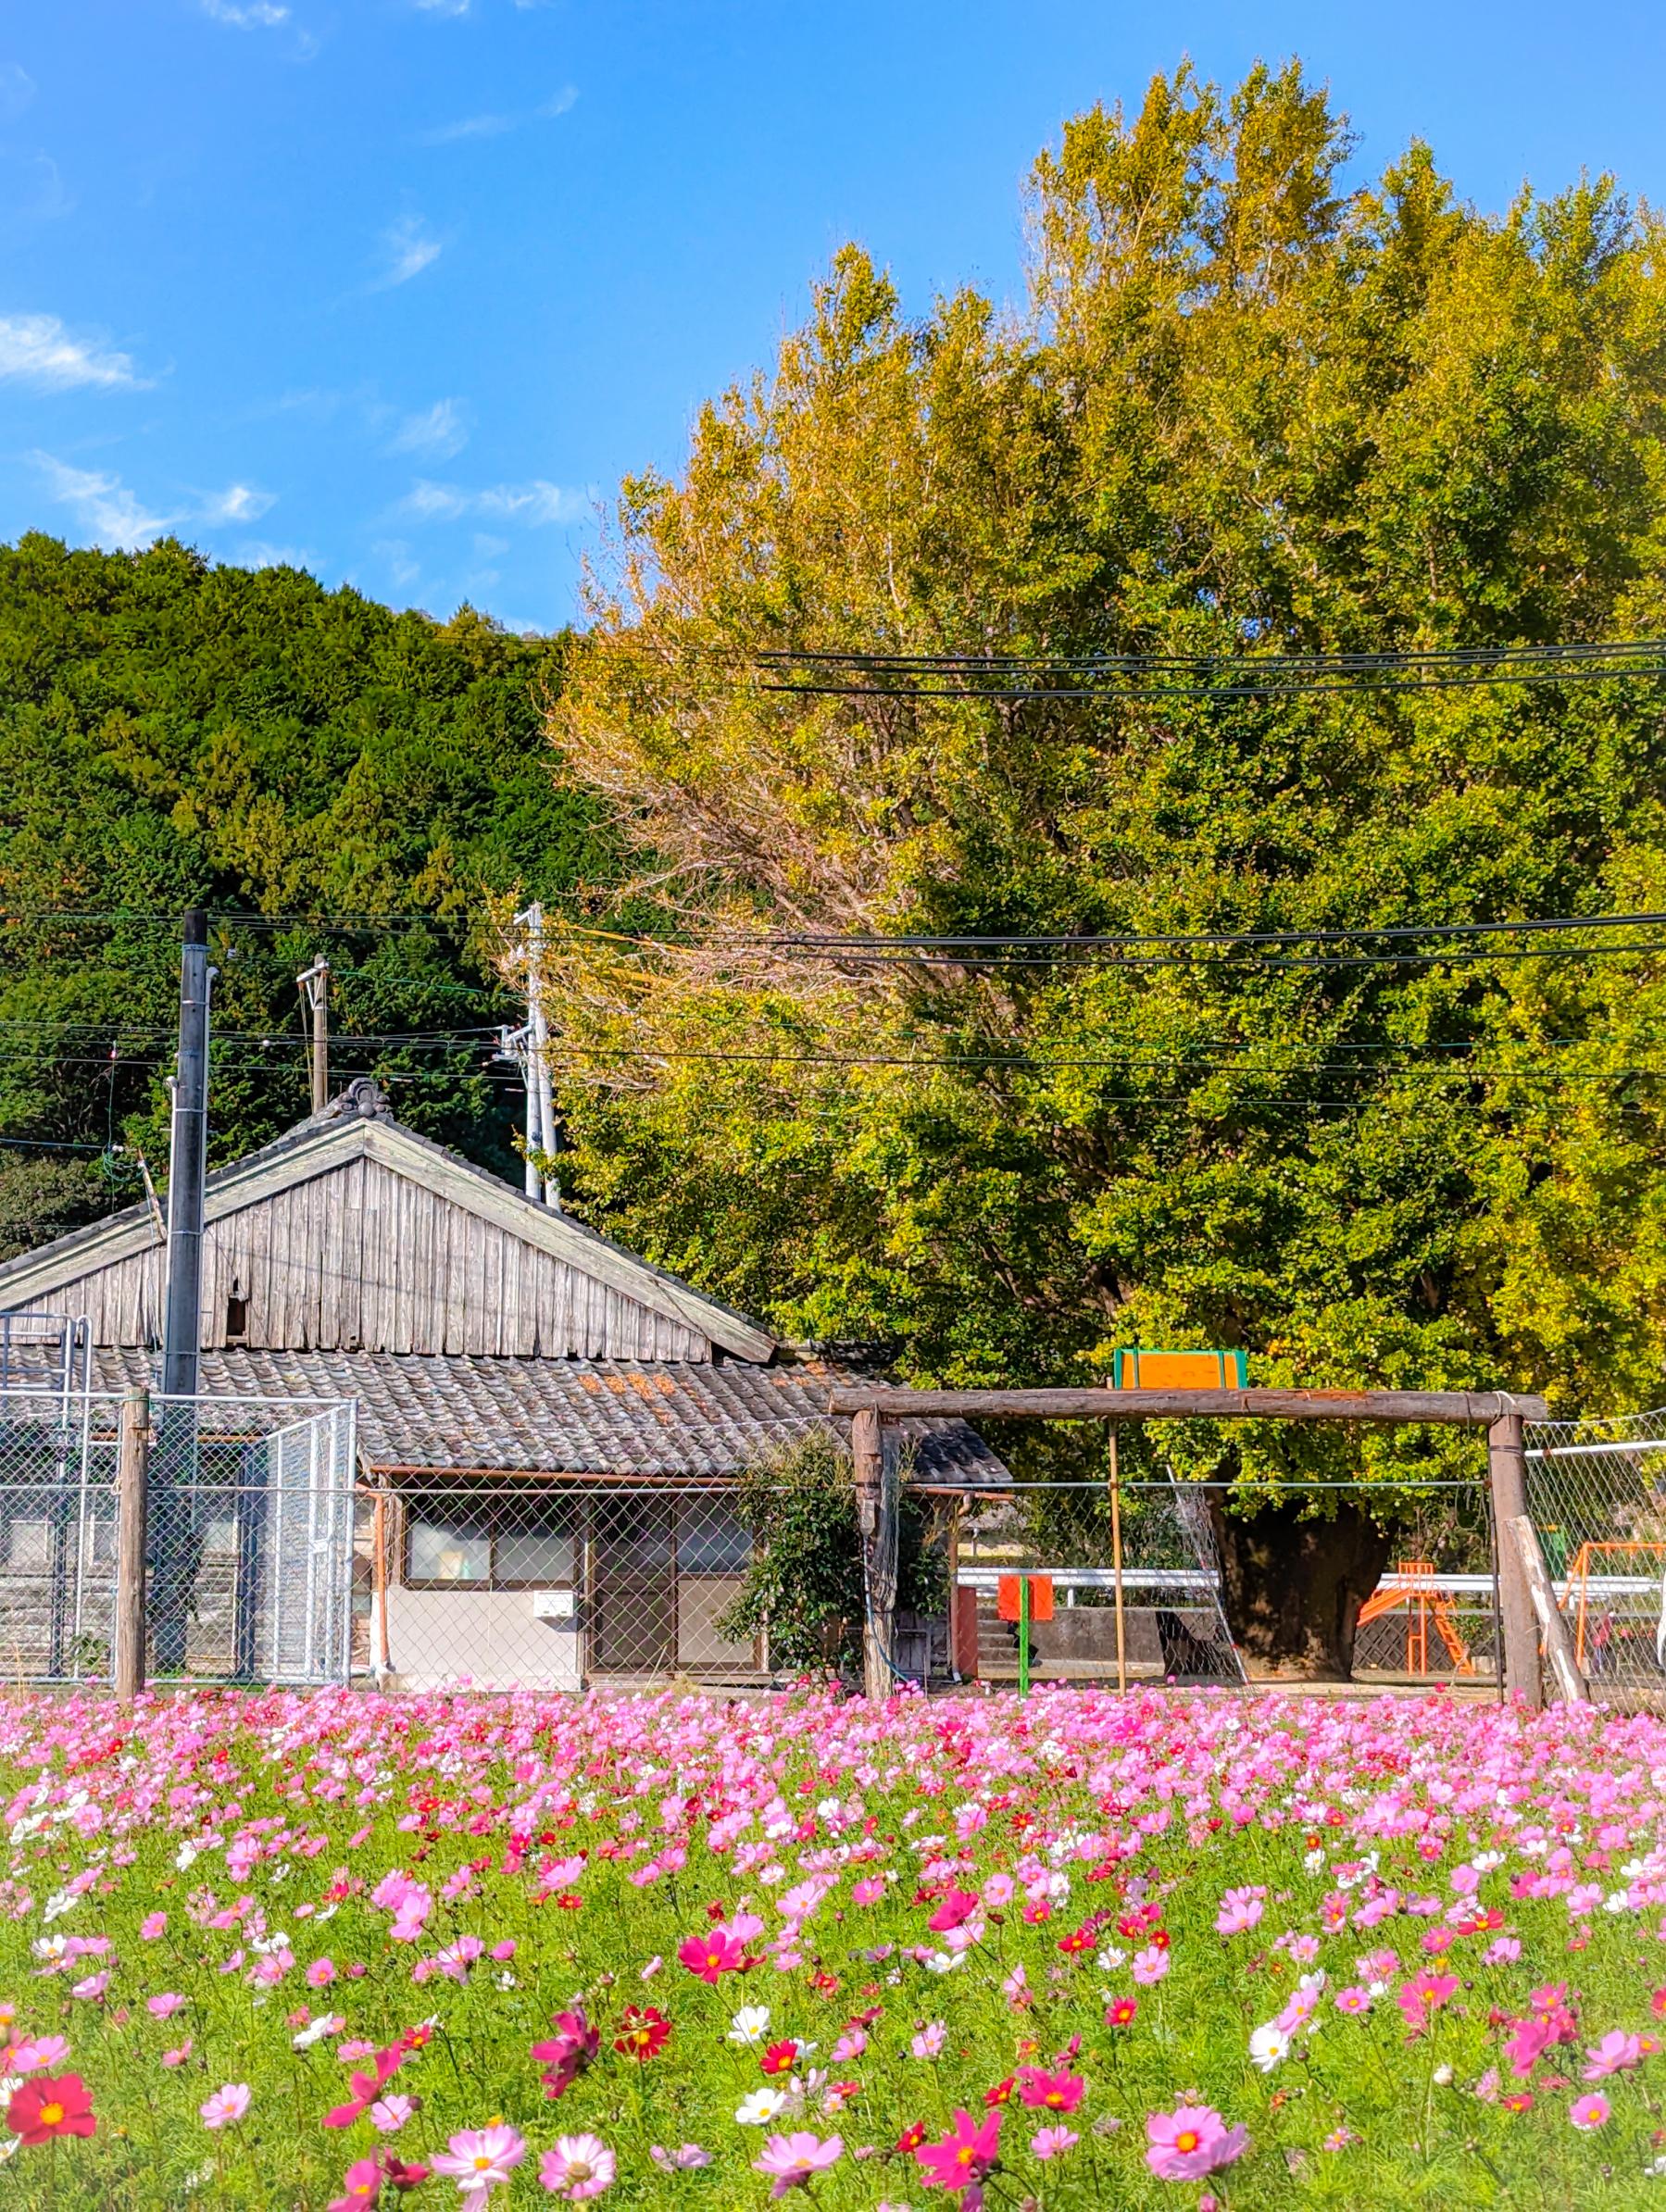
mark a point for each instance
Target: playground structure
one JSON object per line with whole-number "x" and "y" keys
{"x": 1414, "y": 1586}
{"x": 1598, "y": 1628}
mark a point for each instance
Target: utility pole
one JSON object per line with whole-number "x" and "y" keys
{"x": 515, "y": 1046}
{"x": 176, "y": 1542}
{"x": 315, "y": 987}
{"x": 539, "y": 1087}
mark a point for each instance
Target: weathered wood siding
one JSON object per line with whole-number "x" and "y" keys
{"x": 359, "y": 1259}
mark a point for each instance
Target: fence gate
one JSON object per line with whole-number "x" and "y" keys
{"x": 249, "y": 1540}
{"x": 1597, "y": 1489}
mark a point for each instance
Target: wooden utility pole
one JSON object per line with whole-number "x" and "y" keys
{"x": 132, "y": 1485}
{"x": 1507, "y": 1473}
{"x": 314, "y": 984}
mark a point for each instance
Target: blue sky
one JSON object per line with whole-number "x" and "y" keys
{"x": 399, "y": 288}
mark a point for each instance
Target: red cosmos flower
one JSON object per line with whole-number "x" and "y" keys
{"x": 400, "y": 2173}
{"x": 1160, "y": 1939}
{"x": 1051, "y": 2092}
{"x": 1079, "y": 1938}
{"x": 710, "y": 1955}
{"x": 1657, "y": 2004}
{"x": 42, "y": 2109}
{"x": 827, "y": 1985}
{"x": 645, "y": 2032}
{"x": 1002, "y": 2092}
{"x": 1121, "y": 2012}
{"x": 780, "y": 2058}
{"x": 911, "y": 2138}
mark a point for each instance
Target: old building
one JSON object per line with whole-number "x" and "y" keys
{"x": 548, "y": 1429}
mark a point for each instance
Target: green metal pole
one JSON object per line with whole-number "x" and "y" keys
{"x": 1024, "y": 1635}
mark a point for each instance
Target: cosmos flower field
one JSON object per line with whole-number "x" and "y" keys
{"x": 1174, "y": 1949}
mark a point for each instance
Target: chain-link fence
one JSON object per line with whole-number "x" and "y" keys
{"x": 535, "y": 1582}
{"x": 248, "y": 1544}
{"x": 1597, "y": 1489}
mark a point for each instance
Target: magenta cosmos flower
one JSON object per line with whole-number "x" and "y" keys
{"x": 792, "y": 2161}
{"x": 579, "y": 2166}
{"x": 1191, "y": 2141}
{"x": 965, "y": 2154}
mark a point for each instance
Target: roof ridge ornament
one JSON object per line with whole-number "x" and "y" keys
{"x": 361, "y": 1100}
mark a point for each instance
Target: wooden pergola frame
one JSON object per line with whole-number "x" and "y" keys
{"x": 1523, "y": 1584}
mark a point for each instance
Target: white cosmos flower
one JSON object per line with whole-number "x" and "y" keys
{"x": 327, "y": 2023}
{"x": 1267, "y": 2046}
{"x": 1110, "y": 1959}
{"x": 750, "y": 2024}
{"x": 759, "y": 2108}
{"x": 945, "y": 1962}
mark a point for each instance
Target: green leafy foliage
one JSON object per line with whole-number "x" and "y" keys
{"x": 174, "y": 734}
{"x": 1251, "y": 407}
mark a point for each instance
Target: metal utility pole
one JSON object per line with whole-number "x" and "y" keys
{"x": 176, "y": 1542}
{"x": 315, "y": 987}
{"x": 187, "y": 1167}
{"x": 539, "y": 1088}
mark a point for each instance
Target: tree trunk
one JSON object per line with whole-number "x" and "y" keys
{"x": 1294, "y": 1587}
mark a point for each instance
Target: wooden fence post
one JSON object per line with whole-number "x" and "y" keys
{"x": 1507, "y": 1473}
{"x": 1559, "y": 1644}
{"x": 876, "y": 1525}
{"x": 132, "y": 1484}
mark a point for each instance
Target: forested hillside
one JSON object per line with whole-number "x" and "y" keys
{"x": 1251, "y": 407}
{"x": 173, "y": 733}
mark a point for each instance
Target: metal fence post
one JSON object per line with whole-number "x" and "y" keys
{"x": 132, "y": 1484}
{"x": 1507, "y": 1474}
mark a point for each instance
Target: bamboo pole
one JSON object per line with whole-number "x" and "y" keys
{"x": 132, "y": 1484}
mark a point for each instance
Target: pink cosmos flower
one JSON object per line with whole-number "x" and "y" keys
{"x": 1353, "y": 1999}
{"x": 1424, "y": 1994}
{"x": 166, "y": 2006}
{"x": 792, "y": 2161}
{"x": 579, "y": 2166}
{"x": 361, "y": 2185}
{"x": 153, "y": 1925}
{"x": 998, "y": 1891}
{"x": 1616, "y": 2053}
{"x": 1149, "y": 1966}
{"x": 178, "y": 2057}
{"x": 1190, "y": 2142}
{"x": 965, "y": 2154}
{"x": 1589, "y": 2112}
{"x": 929, "y": 2042}
{"x": 320, "y": 1973}
{"x": 851, "y": 2044}
{"x": 1052, "y": 2143}
{"x": 226, "y": 2107}
{"x": 480, "y": 2159}
{"x": 958, "y": 1906}
{"x": 1240, "y": 1910}
{"x": 686, "y": 2158}
{"x": 868, "y": 1892}
{"x": 1503, "y": 1951}
{"x": 92, "y": 1987}
{"x": 39, "y": 2055}
{"x": 388, "y": 2114}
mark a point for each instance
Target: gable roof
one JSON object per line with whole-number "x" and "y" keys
{"x": 358, "y": 1127}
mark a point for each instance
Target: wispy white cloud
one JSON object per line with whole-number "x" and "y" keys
{"x": 237, "y": 503}
{"x": 256, "y": 552}
{"x": 535, "y": 503}
{"x": 442, "y": 7}
{"x": 17, "y": 90}
{"x": 441, "y": 431}
{"x": 408, "y": 247}
{"x": 116, "y": 517}
{"x": 37, "y": 349}
{"x": 402, "y": 569}
{"x": 247, "y": 15}
{"x": 101, "y": 503}
{"x": 499, "y": 126}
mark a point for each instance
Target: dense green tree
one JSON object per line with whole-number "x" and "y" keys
{"x": 1251, "y": 407}
{"x": 175, "y": 734}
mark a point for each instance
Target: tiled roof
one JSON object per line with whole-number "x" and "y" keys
{"x": 595, "y": 1416}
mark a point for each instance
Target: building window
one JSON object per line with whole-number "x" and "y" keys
{"x": 462, "y": 1540}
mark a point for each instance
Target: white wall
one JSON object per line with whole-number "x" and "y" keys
{"x": 438, "y": 1638}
